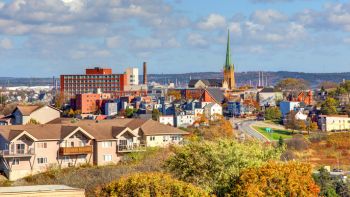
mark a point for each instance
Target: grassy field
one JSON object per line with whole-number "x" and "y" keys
{"x": 276, "y": 133}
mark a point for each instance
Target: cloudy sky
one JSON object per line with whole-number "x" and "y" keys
{"x": 42, "y": 38}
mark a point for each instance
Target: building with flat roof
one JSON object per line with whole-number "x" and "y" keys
{"x": 41, "y": 191}
{"x": 93, "y": 79}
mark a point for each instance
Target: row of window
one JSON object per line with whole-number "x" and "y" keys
{"x": 166, "y": 138}
{"x": 89, "y": 81}
{"x": 90, "y": 76}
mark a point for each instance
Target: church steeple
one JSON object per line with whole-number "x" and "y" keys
{"x": 228, "y": 63}
{"x": 229, "y": 70}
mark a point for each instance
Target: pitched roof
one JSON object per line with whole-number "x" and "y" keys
{"x": 26, "y": 110}
{"x": 216, "y": 94}
{"x": 101, "y": 130}
{"x": 267, "y": 90}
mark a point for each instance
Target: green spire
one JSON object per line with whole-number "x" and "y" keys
{"x": 228, "y": 63}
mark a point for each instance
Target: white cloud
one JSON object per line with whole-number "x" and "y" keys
{"x": 113, "y": 42}
{"x": 196, "y": 39}
{"x": 213, "y": 21}
{"x": 268, "y": 16}
{"x": 235, "y": 28}
{"x": 146, "y": 43}
{"x": 6, "y": 43}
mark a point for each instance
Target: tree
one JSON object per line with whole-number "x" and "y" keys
{"x": 155, "y": 114}
{"x": 175, "y": 93}
{"x": 32, "y": 121}
{"x": 273, "y": 113}
{"x": 324, "y": 180}
{"x": 212, "y": 164}
{"x": 311, "y": 126}
{"x": 293, "y": 86}
{"x": 327, "y": 85}
{"x": 276, "y": 179}
{"x": 150, "y": 184}
{"x": 291, "y": 121}
{"x": 329, "y": 106}
{"x": 129, "y": 112}
{"x": 280, "y": 141}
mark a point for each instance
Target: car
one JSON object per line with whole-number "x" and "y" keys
{"x": 337, "y": 170}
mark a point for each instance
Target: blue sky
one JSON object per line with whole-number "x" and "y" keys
{"x": 51, "y": 37}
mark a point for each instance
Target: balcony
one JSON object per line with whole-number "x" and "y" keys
{"x": 17, "y": 153}
{"x": 131, "y": 148}
{"x": 75, "y": 150}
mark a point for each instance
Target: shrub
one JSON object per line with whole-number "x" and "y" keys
{"x": 276, "y": 179}
{"x": 212, "y": 164}
{"x": 339, "y": 140}
{"x": 150, "y": 184}
{"x": 298, "y": 142}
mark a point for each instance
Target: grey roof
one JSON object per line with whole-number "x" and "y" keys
{"x": 217, "y": 94}
{"x": 268, "y": 90}
{"x": 207, "y": 82}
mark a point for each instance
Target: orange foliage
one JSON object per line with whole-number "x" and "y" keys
{"x": 276, "y": 179}
{"x": 339, "y": 140}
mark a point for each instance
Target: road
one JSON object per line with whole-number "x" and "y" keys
{"x": 245, "y": 127}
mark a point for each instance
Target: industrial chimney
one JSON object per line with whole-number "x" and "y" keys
{"x": 144, "y": 73}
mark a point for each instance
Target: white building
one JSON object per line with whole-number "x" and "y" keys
{"x": 212, "y": 110}
{"x": 300, "y": 115}
{"x": 334, "y": 122}
{"x": 132, "y": 75}
{"x": 184, "y": 120}
{"x": 167, "y": 120}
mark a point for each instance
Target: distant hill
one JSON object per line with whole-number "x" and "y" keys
{"x": 182, "y": 79}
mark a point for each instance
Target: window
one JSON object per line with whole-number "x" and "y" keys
{"x": 175, "y": 138}
{"x": 71, "y": 144}
{"x": 65, "y": 159}
{"x": 20, "y": 148}
{"x": 107, "y": 157}
{"x": 15, "y": 161}
{"x": 42, "y": 145}
{"x": 152, "y": 138}
{"x": 106, "y": 144}
{"x": 42, "y": 160}
{"x": 165, "y": 138}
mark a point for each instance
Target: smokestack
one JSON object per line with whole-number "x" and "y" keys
{"x": 144, "y": 73}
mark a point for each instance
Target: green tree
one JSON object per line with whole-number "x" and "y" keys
{"x": 212, "y": 164}
{"x": 324, "y": 180}
{"x": 155, "y": 114}
{"x": 273, "y": 113}
{"x": 150, "y": 184}
{"x": 329, "y": 106}
{"x": 276, "y": 179}
{"x": 280, "y": 141}
{"x": 129, "y": 112}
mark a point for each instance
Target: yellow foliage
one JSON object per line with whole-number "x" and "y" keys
{"x": 150, "y": 184}
{"x": 276, "y": 179}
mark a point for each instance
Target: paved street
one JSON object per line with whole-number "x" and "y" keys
{"x": 245, "y": 127}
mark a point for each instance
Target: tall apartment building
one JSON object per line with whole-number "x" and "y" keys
{"x": 93, "y": 79}
{"x": 132, "y": 75}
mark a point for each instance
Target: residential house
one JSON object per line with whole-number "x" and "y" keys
{"x": 268, "y": 97}
{"x": 212, "y": 111}
{"x": 29, "y": 149}
{"x": 167, "y": 119}
{"x": 184, "y": 120}
{"x": 23, "y": 114}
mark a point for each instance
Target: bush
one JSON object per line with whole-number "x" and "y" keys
{"x": 339, "y": 140}
{"x": 150, "y": 184}
{"x": 298, "y": 142}
{"x": 276, "y": 179}
{"x": 212, "y": 164}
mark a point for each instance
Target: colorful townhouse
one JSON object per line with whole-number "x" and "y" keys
{"x": 29, "y": 149}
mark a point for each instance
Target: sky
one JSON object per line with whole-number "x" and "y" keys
{"x": 45, "y": 38}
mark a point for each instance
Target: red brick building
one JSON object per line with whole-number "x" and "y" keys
{"x": 93, "y": 79}
{"x": 90, "y": 103}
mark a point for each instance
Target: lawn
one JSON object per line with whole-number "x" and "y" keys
{"x": 276, "y": 133}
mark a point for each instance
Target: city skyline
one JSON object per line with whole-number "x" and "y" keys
{"x": 174, "y": 36}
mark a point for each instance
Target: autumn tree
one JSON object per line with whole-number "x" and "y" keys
{"x": 212, "y": 164}
{"x": 174, "y": 93}
{"x": 324, "y": 85}
{"x": 293, "y": 86}
{"x": 155, "y": 114}
{"x": 276, "y": 179}
{"x": 32, "y": 121}
{"x": 329, "y": 106}
{"x": 311, "y": 126}
{"x": 273, "y": 113}
{"x": 150, "y": 184}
